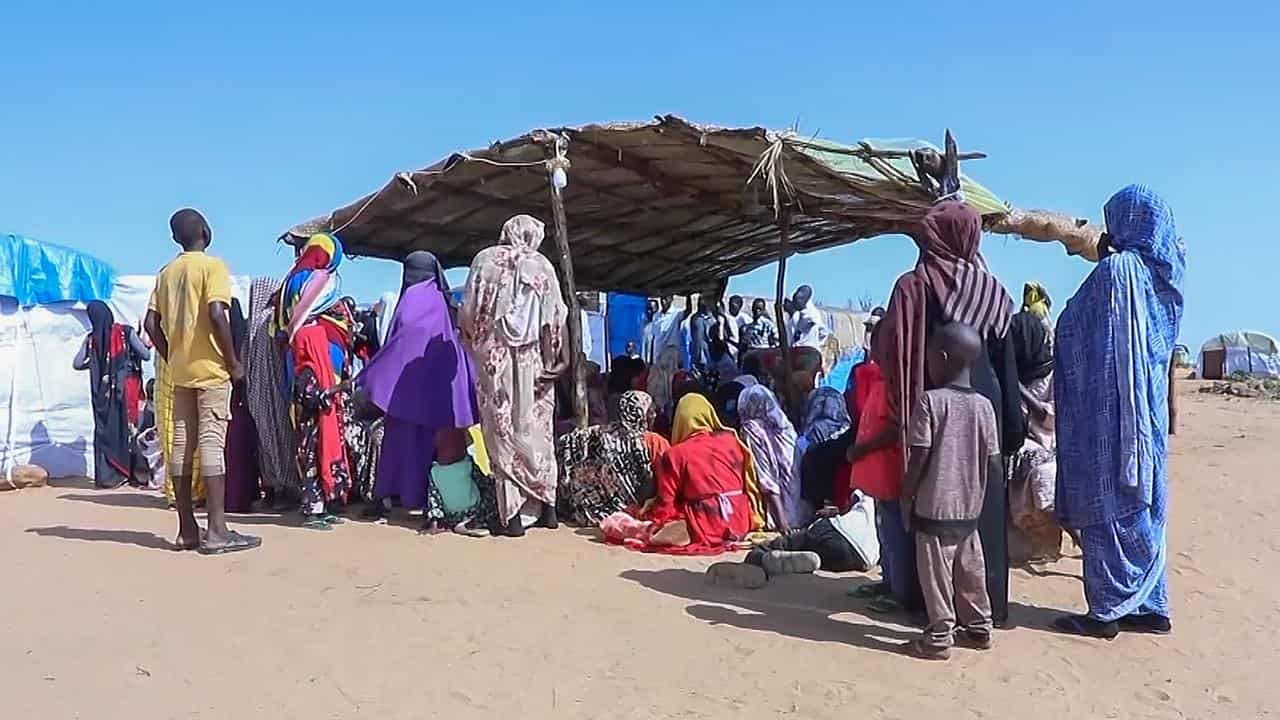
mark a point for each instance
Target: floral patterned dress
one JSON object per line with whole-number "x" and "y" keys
{"x": 511, "y": 321}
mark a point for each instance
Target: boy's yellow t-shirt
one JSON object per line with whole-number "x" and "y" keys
{"x": 184, "y": 289}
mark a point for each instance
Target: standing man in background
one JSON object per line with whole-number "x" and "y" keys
{"x": 188, "y": 319}
{"x": 665, "y": 351}
{"x": 733, "y": 323}
{"x": 701, "y": 325}
{"x": 760, "y": 333}
{"x": 808, "y": 327}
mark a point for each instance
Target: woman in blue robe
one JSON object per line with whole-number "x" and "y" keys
{"x": 1115, "y": 340}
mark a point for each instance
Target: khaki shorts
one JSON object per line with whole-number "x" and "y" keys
{"x": 200, "y": 419}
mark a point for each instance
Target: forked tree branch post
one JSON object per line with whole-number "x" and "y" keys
{"x": 556, "y": 161}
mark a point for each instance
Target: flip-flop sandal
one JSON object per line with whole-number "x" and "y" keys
{"x": 868, "y": 591}
{"x": 316, "y": 522}
{"x": 884, "y": 605}
{"x": 1084, "y": 626}
{"x": 738, "y": 575}
{"x": 235, "y": 543}
{"x": 331, "y": 519}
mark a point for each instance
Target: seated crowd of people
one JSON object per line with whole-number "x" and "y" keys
{"x": 699, "y": 442}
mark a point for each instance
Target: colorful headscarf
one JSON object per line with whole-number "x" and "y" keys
{"x": 826, "y": 416}
{"x": 951, "y": 271}
{"x": 1035, "y": 300}
{"x": 771, "y": 437}
{"x": 633, "y": 411}
{"x": 312, "y": 285}
{"x": 512, "y": 294}
{"x": 694, "y": 415}
{"x": 523, "y": 321}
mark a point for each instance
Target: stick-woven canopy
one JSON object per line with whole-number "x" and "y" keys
{"x": 653, "y": 208}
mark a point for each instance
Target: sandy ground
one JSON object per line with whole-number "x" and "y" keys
{"x": 99, "y": 620}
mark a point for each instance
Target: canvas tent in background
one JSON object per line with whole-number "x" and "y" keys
{"x": 46, "y": 416}
{"x": 1253, "y": 353}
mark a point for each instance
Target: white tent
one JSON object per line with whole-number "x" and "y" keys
{"x": 46, "y": 417}
{"x": 1254, "y": 353}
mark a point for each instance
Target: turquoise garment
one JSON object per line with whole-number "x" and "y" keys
{"x": 458, "y": 492}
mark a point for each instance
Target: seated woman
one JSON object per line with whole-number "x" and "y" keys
{"x": 609, "y": 468}
{"x": 707, "y": 495}
{"x": 772, "y": 440}
{"x": 827, "y": 436}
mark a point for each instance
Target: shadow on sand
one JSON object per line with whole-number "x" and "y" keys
{"x": 151, "y": 541}
{"x": 120, "y": 498}
{"x": 803, "y": 606}
{"x": 799, "y": 606}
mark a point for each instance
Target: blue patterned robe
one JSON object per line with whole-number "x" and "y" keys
{"x": 1114, "y": 342}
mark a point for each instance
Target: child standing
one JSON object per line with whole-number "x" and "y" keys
{"x": 954, "y": 451}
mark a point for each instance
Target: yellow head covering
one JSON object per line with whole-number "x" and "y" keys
{"x": 1035, "y": 300}
{"x": 694, "y": 416}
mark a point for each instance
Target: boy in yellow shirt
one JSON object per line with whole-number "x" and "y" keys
{"x": 188, "y": 319}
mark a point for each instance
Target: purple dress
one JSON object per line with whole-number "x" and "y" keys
{"x": 241, "y": 457}
{"x": 423, "y": 381}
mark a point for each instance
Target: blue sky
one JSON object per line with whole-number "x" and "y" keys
{"x": 266, "y": 114}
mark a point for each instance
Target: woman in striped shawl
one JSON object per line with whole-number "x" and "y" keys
{"x": 951, "y": 283}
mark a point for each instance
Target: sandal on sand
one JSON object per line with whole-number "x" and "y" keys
{"x": 734, "y": 574}
{"x": 870, "y": 590}
{"x": 918, "y": 648}
{"x": 235, "y": 543}
{"x": 786, "y": 562}
{"x": 1085, "y": 626}
{"x": 885, "y": 605}
{"x": 1148, "y": 623}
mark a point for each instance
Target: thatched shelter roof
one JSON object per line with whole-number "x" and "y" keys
{"x": 666, "y": 206}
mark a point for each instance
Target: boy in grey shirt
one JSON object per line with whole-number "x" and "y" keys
{"x": 954, "y": 450}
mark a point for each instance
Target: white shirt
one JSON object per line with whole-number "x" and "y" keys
{"x": 858, "y": 526}
{"x": 809, "y": 330}
{"x": 733, "y": 325}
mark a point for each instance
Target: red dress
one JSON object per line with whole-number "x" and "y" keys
{"x": 879, "y": 473}
{"x": 701, "y": 481}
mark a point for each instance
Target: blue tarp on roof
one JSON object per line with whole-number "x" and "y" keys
{"x": 39, "y": 273}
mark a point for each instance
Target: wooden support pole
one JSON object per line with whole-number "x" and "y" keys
{"x": 560, "y": 229}
{"x": 784, "y": 249}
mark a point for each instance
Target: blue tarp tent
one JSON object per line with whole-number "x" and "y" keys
{"x": 38, "y": 273}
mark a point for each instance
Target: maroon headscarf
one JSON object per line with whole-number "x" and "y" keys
{"x": 951, "y": 270}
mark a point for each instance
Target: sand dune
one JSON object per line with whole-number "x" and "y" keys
{"x": 98, "y": 620}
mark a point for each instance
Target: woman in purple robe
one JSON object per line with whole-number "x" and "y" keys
{"x": 421, "y": 380}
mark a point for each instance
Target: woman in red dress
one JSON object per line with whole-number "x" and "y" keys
{"x": 707, "y": 483}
